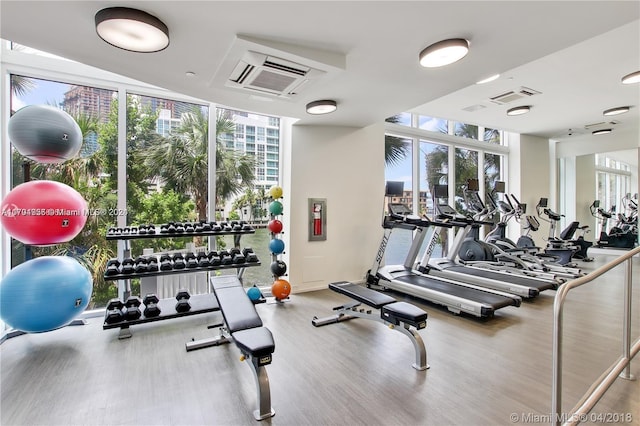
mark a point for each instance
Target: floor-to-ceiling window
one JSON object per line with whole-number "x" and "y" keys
{"x": 432, "y": 151}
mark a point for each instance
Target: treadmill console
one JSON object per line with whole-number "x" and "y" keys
{"x": 446, "y": 209}
{"x": 399, "y": 209}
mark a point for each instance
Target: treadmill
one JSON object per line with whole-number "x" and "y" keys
{"x": 456, "y": 296}
{"x": 448, "y": 267}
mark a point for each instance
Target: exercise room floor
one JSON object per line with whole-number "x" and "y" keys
{"x": 491, "y": 372}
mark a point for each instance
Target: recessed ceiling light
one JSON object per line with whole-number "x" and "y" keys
{"x": 519, "y": 110}
{"x": 321, "y": 107}
{"x": 488, "y": 79}
{"x": 634, "y": 77}
{"x": 616, "y": 110}
{"x": 444, "y": 52}
{"x": 601, "y": 131}
{"x": 131, "y": 29}
{"x": 190, "y": 74}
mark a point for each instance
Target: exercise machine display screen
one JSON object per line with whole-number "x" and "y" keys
{"x": 399, "y": 209}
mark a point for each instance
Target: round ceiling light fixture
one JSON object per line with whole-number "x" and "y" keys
{"x": 519, "y": 110}
{"x": 601, "y": 131}
{"x": 616, "y": 110}
{"x": 444, "y": 52}
{"x": 634, "y": 77}
{"x": 321, "y": 107}
{"x": 132, "y": 29}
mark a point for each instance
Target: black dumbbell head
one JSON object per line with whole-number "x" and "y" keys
{"x": 115, "y": 304}
{"x": 150, "y": 298}
{"x": 132, "y": 301}
{"x": 183, "y": 294}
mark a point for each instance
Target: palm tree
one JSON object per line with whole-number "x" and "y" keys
{"x": 21, "y": 85}
{"x": 182, "y": 160}
{"x": 395, "y": 148}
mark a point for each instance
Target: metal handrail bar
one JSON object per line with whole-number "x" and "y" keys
{"x": 621, "y": 368}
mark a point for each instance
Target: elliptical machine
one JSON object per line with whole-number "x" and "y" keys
{"x": 563, "y": 250}
{"x": 617, "y": 237}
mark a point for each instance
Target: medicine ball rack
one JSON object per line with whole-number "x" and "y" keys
{"x": 201, "y": 303}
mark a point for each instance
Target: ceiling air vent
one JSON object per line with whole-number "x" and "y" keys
{"x": 270, "y": 75}
{"x": 513, "y": 95}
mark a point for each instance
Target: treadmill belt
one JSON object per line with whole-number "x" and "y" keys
{"x": 510, "y": 278}
{"x": 494, "y": 300}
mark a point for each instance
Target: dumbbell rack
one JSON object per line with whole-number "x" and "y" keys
{"x": 202, "y": 303}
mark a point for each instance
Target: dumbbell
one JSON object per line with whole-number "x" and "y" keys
{"x": 113, "y": 267}
{"x": 191, "y": 260}
{"x": 249, "y": 255}
{"x": 183, "y": 304}
{"x": 206, "y": 227}
{"x": 215, "y": 227}
{"x": 236, "y": 256}
{"x": 151, "y": 308}
{"x": 114, "y": 311}
{"x": 189, "y": 227}
{"x": 111, "y": 231}
{"x": 132, "y": 308}
{"x": 178, "y": 261}
{"x": 152, "y": 265}
{"x": 165, "y": 263}
{"x": 142, "y": 230}
{"x": 214, "y": 259}
{"x": 141, "y": 265}
{"x": 128, "y": 266}
{"x": 203, "y": 260}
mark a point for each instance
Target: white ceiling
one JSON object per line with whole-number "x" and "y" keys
{"x": 573, "y": 52}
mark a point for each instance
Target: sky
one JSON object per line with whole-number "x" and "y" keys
{"x": 46, "y": 92}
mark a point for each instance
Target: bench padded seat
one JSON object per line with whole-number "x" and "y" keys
{"x": 404, "y": 312}
{"x": 362, "y": 294}
{"x": 238, "y": 311}
{"x": 258, "y": 342}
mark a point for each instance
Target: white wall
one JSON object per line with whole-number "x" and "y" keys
{"x": 346, "y": 166}
{"x": 530, "y": 178}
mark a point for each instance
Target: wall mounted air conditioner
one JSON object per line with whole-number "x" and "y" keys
{"x": 271, "y": 75}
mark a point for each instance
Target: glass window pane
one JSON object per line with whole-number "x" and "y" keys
{"x": 493, "y": 136}
{"x": 403, "y": 119}
{"x": 464, "y": 130}
{"x": 398, "y": 166}
{"x": 433, "y": 124}
{"x": 466, "y": 167}
{"x": 434, "y": 169}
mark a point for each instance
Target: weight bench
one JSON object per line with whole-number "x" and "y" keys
{"x": 243, "y": 325}
{"x": 392, "y": 314}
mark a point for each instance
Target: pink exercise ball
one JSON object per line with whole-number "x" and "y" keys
{"x": 43, "y": 212}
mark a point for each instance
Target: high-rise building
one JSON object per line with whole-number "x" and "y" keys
{"x": 258, "y": 135}
{"x": 90, "y": 101}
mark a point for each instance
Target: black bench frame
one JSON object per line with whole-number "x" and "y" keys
{"x": 241, "y": 325}
{"x": 388, "y": 307}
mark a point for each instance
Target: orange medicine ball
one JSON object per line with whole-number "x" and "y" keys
{"x": 281, "y": 289}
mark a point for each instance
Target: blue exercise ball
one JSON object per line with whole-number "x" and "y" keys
{"x": 276, "y": 246}
{"x": 44, "y": 293}
{"x": 254, "y": 293}
{"x": 45, "y": 134}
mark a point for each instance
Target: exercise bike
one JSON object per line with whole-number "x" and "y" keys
{"x": 616, "y": 237}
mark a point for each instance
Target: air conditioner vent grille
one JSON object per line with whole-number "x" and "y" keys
{"x": 513, "y": 95}
{"x": 243, "y": 75}
{"x": 270, "y": 74}
{"x": 282, "y": 67}
{"x": 272, "y": 81}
